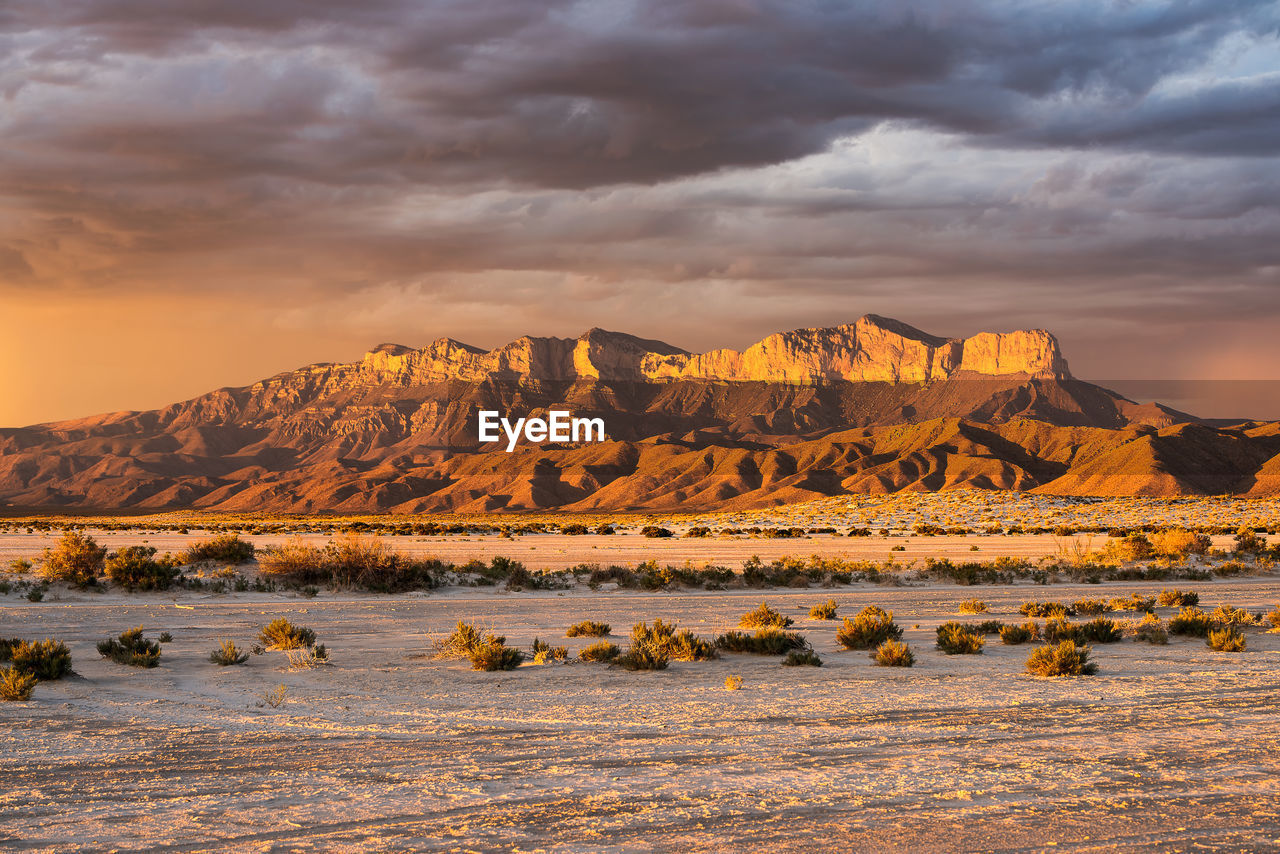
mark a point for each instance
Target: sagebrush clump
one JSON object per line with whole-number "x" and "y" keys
{"x": 283, "y": 635}
{"x": 893, "y": 653}
{"x": 973, "y": 606}
{"x": 1065, "y": 659}
{"x": 1228, "y": 639}
{"x": 131, "y": 648}
{"x": 764, "y": 617}
{"x": 823, "y": 611}
{"x": 1013, "y": 634}
{"x": 588, "y": 629}
{"x": 46, "y": 660}
{"x": 1178, "y": 598}
{"x": 871, "y": 627}
{"x": 224, "y": 548}
{"x": 1151, "y": 630}
{"x": 228, "y": 654}
{"x": 802, "y": 658}
{"x": 1190, "y": 621}
{"x": 76, "y": 559}
{"x": 16, "y": 686}
{"x": 770, "y": 641}
{"x": 958, "y": 639}
{"x": 601, "y": 651}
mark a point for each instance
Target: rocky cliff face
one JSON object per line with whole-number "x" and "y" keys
{"x": 874, "y": 349}
{"x": 398, "y": 429}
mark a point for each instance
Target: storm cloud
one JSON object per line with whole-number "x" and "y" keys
{"x": 700, "y": 172}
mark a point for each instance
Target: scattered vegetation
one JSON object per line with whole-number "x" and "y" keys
{"x": 45, "y": 660}
{"x": 136, "y": 568}
{"x": 1228, "y": 639}
{"x": 588, "y": 629}
{"x": 228, "y": 654}
{"x": 763, "y": 617}
{"x": 224, "y": 548}
{"x": 959, "y": 639}
{"x": 893, "y": 653}
{"x": 131, "y": 648}
{"x": 733, "y": 683}
{"x": 1045, "y": 609}
{"x": 76, "y": 559}
{"x": 1151, "y": 630}
{"x": 802, "y": 658}
{"x": 306, "y": 658}
{"x": 16, "y": 686}
{"x": 601, "y": 651}
{"x": 870, "y": 628}
{"x": 823, "y": 611}
{"x": 1090, "y": 607}
{"x": 1225, "y": 615}
{"x": 284, "y": 635}
{"x": 973, "y": 606}
{"x": 1065, "y": 659}
{"x": 1178, "y": 598}
{"x": 1190, "y": 622}
{"x": 768, "y": 641}
{"x": 274, "y": 697}
{"x": 1013, "y": 635}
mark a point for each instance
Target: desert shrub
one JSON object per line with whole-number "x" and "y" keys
{"x": 274, "y": 697}
{"x": 545, "y": 653}
{"x": 135, "y": 568}
{"x": 733, "y": 683}
{"x": 823, "y": 611}
{"x": 46, "y": 660}
{"x": 1099, "y": 630}
{"x": 224, "y": 548}
{"x": 1059, "y": 629}
{"x": 305, "y": 658}
{"x": 1065, "y": 659}
{"x": 574, "y": 529}
{"x": 1179, "y": 544}
{"x": 295, "y": 561}
{"x": 228, "y": 654}
{"x": 767, "y": 641}
{"x": 986, "y": 627}
{"x": 464, "y": 640}
{"x": 656, "y": 532}
{"x": 1191, "y": 622}
{"x": 76, "y": 559}
{"x": 495, "y": 655}
{"x": 587, "y": 629}
{"x": 893, "y": 653}
{"x": 1090, "y": 607}
{"x": 644, "y": 657}
{"x": 281, "y": 634}
{"x": 957, "y": 639}
{"x": 19, "y": 566}
{"x": 1151, "y": 630}
{"x": 1225, "y": 615}
{"x": 1132, "y": 603}
{"x": 131, "y": 648}
{"x": 1273, "y": 619}
{"x": 973, "y": 606}
{"x": 1014, "y": 635}
{"x": 1130, "y": 548}
{"x": 1248, "y": 541}
{"x": 698, "y": 531}
{"x": 870, "y": 628}
{"x": 763, "y": 616}
{"x": 1178, "y": 598}
{"x": 6, "y": 648}
{"x": 16, "y": 686}
{"x": 1045, "y": 609}
{"x": 802, "y": 658}
{"x": 166, "y": 637}
{"x": 686, "y": 646}
{"x": 600, "y": 651}
{"x": 1229, "y": 639}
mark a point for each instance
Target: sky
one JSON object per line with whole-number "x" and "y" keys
{"x": 196, "y": 194}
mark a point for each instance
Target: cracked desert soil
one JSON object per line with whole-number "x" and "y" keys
{"x": 1167, "y": 748}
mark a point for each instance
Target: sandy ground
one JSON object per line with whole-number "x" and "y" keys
{"x": 557, "y": 551}
{"x": 1167, "y": 748}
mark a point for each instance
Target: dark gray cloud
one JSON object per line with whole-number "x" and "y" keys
{"x": 404, "y": 168}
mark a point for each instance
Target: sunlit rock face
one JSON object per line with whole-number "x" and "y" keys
{"x": 874, "y": 349}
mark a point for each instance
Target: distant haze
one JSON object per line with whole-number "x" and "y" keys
{"x": 201, "y": 194}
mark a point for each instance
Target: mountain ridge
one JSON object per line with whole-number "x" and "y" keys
{"x": 874, "y": 405}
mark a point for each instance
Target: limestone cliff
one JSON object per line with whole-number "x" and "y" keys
{"x": 874, "y": 349}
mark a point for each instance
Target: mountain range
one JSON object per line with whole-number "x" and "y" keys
{"x": 871, "y": 406}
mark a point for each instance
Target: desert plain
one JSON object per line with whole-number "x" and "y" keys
{"x": 390, "y": 747}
